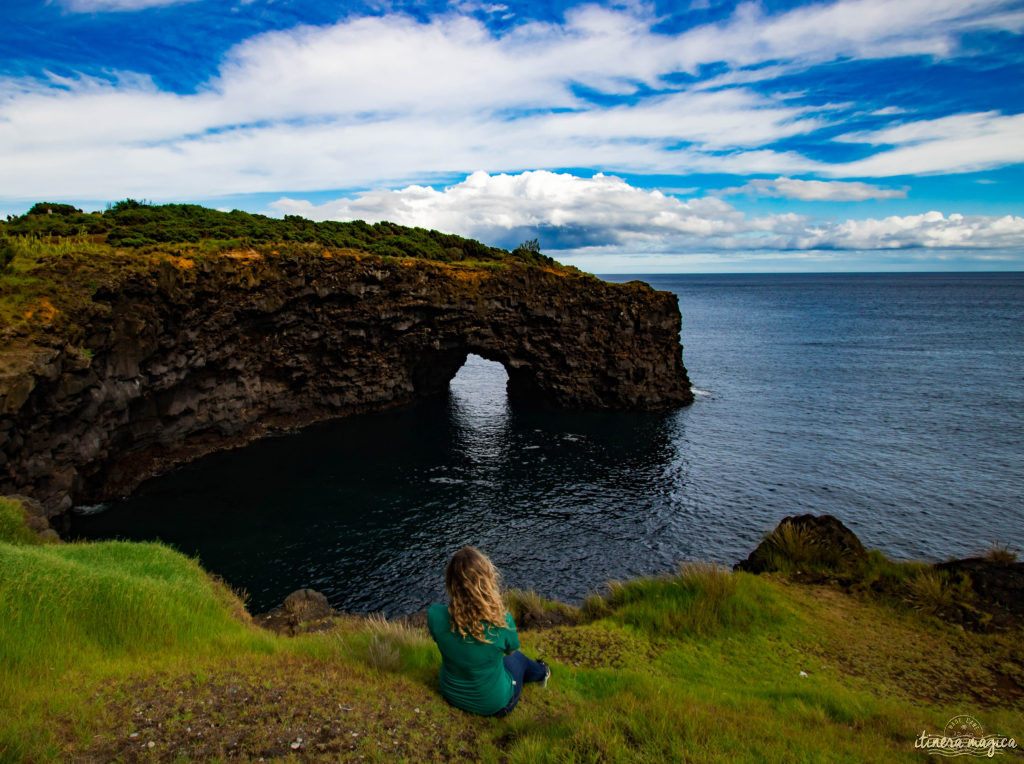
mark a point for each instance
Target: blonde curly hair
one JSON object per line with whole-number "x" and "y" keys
{"x": 472, "y": 583}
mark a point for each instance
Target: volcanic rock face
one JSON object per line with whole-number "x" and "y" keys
{"x": 186, "y": 357}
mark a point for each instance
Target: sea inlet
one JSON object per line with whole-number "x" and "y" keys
{"x": 893, "y": 401}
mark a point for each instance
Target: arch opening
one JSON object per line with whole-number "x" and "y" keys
{"x": 480, "y": 386}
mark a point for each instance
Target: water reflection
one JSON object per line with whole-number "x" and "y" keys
{"x": 480, "y": 420}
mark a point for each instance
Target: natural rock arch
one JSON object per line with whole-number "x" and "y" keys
{"x": 193, "y": 356}
{"x": 433, "y": 375}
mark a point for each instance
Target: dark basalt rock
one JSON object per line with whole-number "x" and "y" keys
{"x": 999, "y": 586}
{"x": 307, "y": 605}
{"x": 822, "y": 540}
{"x": 546, "y": 619}
{"x": 178, "y": 358}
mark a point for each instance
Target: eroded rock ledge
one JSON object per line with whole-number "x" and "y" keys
{"x": 182, "y": 357}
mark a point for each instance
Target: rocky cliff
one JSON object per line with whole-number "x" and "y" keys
{"x": 175, "y": 357}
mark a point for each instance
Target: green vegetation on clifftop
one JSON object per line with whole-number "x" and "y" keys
{"x": 133, "y": 224}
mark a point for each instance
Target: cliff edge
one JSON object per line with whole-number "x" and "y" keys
{"x": 143, "y": 359}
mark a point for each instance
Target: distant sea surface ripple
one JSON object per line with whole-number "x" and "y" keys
{"x": 895, "y": 402}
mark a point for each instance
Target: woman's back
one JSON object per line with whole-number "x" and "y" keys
{"x": 473, "y": 676}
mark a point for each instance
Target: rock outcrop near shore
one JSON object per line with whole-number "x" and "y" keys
{"x": 177, "y": 357}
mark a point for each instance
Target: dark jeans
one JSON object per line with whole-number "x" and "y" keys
{"x": 522, "y": 670}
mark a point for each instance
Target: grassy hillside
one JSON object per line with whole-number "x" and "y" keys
{"x": 131, "y": 651}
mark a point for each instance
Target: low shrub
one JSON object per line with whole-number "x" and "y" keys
{"x": 7, "y": 251}
{"x": 136, "y": 225}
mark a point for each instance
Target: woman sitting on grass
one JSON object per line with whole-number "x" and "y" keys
{"x": 482, "y": 669}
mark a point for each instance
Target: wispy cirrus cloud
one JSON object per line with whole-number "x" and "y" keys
{"x": 570, "y": 213}
{"x": 814, "y": 190}
{"x": 957, "y": 143}
{"x": 100, "y": 6}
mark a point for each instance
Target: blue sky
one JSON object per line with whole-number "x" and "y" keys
{"x": 643, "y": 137}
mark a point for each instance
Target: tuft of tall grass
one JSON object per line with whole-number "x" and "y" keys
{"x": 399, "y": 630}
{"x": 382, "y": 655}
{"x": 528, "y": 608}
{"x": 1001, "y": 554}
{"x": 700, "y": 598}
{"x": 932, "y": 591}
{"x": 394, "y": 644}
{"x": 594, "y": 606}
{"x": 792, "y": 545}
{"x": 520, "y": 602}
{"x": 33, "y": 247}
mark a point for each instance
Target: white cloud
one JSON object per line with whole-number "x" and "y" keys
{"x": 388, "y": 100}
{"x": 570, "y": 213}
{"x": 860, "y": 29}
{"x": 957, "y": 143}
{"x": 566, "y": 210}
{"x": 932, "y": 230}
{"x": 815, "y": 190}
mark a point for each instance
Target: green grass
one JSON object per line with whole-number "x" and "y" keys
{"x": 108, "y": 647}
{"x": 699, "y": 599}
{"x": 91, "y": 610}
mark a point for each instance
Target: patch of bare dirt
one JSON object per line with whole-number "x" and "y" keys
{"x": 305, "y": 710}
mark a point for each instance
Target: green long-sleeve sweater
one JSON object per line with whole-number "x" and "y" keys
{"x": 473, "y": 676}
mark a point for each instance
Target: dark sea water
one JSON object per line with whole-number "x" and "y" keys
{"x": 895, "y": 402}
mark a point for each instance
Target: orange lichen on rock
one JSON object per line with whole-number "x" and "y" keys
{"x": 462, "y": 273}
{"x": 555, "y": 271}
{"x": 42, "y": 311}
{"x": 181, "y": 263}
{"x": 248, "y": 255}
{"x": 470, "y": 277}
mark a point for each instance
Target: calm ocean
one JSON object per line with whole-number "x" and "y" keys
{"x": 893, "y": 401}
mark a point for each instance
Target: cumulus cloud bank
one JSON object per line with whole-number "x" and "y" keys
{"x": 570, "y": 213}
